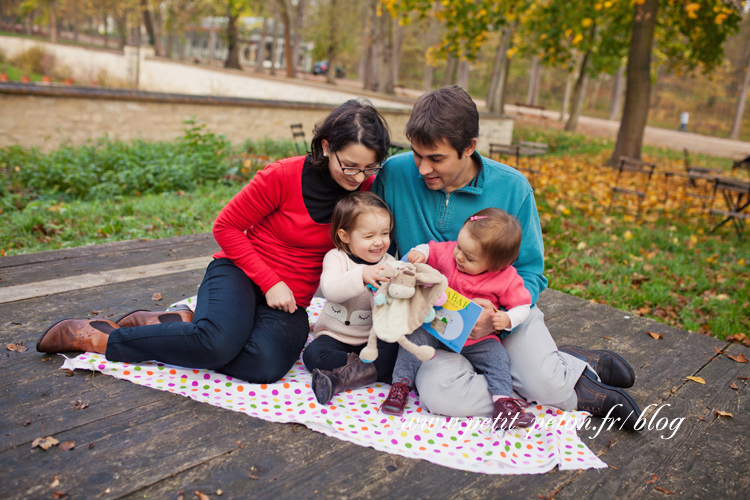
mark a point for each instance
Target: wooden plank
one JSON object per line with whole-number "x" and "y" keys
{"x": 90, "y": 251}
{"x": 91, "y": 280}
{"x": 130, "y": 450}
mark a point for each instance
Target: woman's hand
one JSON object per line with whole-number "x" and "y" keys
{"x": 416, "y": 257}
{"x": 500, "y": 320}
{"x": 280, "y": 296}
{"x": 484, "y": 326}
{"x": 370, "y": 275}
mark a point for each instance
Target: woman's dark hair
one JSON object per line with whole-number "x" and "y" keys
{"x": 354, "y": 122}
{"x": 446, "y": 113}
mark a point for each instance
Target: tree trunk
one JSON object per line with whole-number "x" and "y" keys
{"x": 463, "y": 74}
{"x": 376, "y": 49}
{"x": 366, "y": 69}
{"x": 274, "y": 37}
{"x": 106, "y": 31}
{"x": 566, "y": 96}
{"x": 260, "y": 57}
{"x": 737, "y": 122}
{"x": 146, "y": 13}
{"x": 233, "y": 47}
{"x": 286, "y": 21}
{"x": 579, "y": 94}
{"x": 299, "y": 25}
{"x": 637, "y": 93}
{"x": 533, "y": 93}
{"x": 53, "y": 21}
{"x": 386, "y": 66}
{"x": 122, "y": 31}
{"x": 449, "y": 71}
{"x": 158, "y": 32}
{"x": 616, "y": 106}
{"x": 496, "y": 94}
{"x": 429, "y": 69}
{"x": 398, "y": 41}
{"x": 332, "y": 44}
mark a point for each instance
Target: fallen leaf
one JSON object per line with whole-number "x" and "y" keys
{"x": 608, "y": 338}
{"x": 19, "y": 348}
{"x": 718, "y": 351}
{"x": 59, "y": 494}
{"x": 720, "y": 413}
{"x": 67, "y": 445}
{"x": 55, "y": 483}
{"x": 733, "y": 386}
{"x": 252, "y": 477}
{"x": 44, "y": 443}
{"x": 69, "y": 373}
{"x": 696, "y": 379}
{"x": 80, "y": 405}
{"x": 157, "y": 296}
{"x": 95, "y": 313}
{"x": 653, "y": 479}
{"x": 613, "y": 467}
{"x": 740, "y": 358}
{"x": 91, "y": 445}
{"x": 201, "y": 495}
{"x": 664, "y": 491}
{"x": 743, "y": 378}
{"x": 656, "y": 336}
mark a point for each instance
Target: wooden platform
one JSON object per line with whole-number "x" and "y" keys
{"x": 136, "y": 442}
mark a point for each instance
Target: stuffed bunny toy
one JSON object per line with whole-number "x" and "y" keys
{"x": 402, "y": 305}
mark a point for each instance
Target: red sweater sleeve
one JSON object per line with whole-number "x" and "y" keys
{"x": 260, "y": 197}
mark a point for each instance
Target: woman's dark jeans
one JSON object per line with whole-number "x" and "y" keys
{"x": 233, "y": 332}
{"x": 327, "y": 353}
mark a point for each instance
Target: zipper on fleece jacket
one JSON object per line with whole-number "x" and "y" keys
{"x": 445, "y": 209}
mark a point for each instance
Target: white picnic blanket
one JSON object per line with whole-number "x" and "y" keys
{"x": 466, "y": 444}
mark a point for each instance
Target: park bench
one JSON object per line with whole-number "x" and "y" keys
{"x": 736, "y": 196}
{"x": 698, "y": 181}
{"x": 633, "y": 178}
{"x": 534, "y": 110}
{"x": 524, "y": 149}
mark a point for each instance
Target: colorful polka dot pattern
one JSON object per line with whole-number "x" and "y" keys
{"x": 353, "y": 416}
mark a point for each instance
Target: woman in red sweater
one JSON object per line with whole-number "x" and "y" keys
{"x": 250, "y": 320}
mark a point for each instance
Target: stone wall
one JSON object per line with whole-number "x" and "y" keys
{"x": 47, "y": 116}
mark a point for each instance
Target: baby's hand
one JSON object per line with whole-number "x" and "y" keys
{"x": 500, "y": 320}
{"x": 416, "y": 257}
{"x": 370, "y": 275}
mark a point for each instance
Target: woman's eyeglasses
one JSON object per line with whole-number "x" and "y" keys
{"x": 354, "y": 170}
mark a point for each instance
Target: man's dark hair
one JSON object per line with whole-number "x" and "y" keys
{"x": 446, "y": 113}
{"x": 354, "y": 122}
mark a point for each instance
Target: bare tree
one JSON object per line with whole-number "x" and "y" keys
{"x": 741, "y": 99}
{"x": 637, "y": 97}
{"x": 615, "y": 107}
{"x": 232, "y": 34}
{"x": 299, "y": 23}
{"x": 496, "y": 93}
{"x": 579, "y": 93}
{"x": 532, "y": 96}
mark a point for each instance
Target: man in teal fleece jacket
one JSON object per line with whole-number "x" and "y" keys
{"x": 431, "y": 192}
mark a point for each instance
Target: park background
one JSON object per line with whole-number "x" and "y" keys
{"x": 552, "y": 59}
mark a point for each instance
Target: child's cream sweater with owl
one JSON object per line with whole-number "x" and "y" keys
{"x": 347, "y": 314}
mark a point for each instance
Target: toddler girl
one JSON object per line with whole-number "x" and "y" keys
{"x": 360, "y": 227}
{"x": 477, "y": 265}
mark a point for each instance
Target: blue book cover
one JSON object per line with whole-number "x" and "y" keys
{"x": 454, "y": 320}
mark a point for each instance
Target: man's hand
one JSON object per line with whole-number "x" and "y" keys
{"x": 416, "y": 257}
{"x": 484, "y": 326}
{"x": 500, "y": 320}
{"x": 280, "y": 296}
{"x": 370, "y": 275}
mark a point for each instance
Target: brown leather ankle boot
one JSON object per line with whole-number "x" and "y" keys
{"x": 181, "y": 314}
{"x": 353, "y": 375}
{"x": 74, "y": 335}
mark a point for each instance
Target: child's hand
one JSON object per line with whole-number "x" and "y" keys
{"x": 370, "y": 275}
{"x": 416, "y": 257}
{"x": 500, "y": 320}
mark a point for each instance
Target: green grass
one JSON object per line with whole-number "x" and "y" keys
{"x": 664, "y": 266}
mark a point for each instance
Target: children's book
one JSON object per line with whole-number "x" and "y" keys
{"x": 454, "y": 320}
